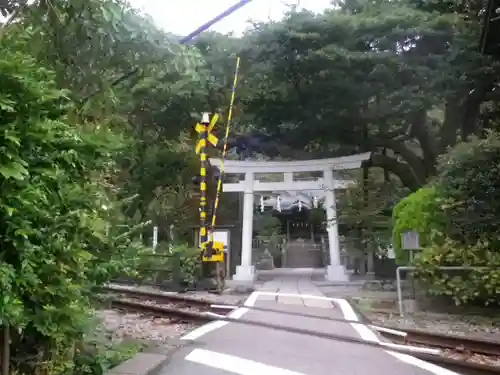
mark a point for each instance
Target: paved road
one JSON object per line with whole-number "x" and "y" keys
{"x": 249, "y": 350}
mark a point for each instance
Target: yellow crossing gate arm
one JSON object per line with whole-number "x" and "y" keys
{"x": 224, "y": 149}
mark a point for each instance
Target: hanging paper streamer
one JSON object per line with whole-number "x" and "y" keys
{"x": 155, "y": 238}
{"x": 261, "y": 203}
{"x": 171, "y": 237}
{"x": 300, "y": 205}
{"x": 278, "y": 203}
{"x": 315, "y": 202}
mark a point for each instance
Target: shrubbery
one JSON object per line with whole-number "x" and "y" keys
{"x": 462, "y": 208}
{"x": 181, "y": 264}
{"x": 474, "y": 286}
{"x": 469, "y": 180}
{"x": 56, "y": 219}
{"x": 97, "y": 353}
{"x": 421, "y": 212}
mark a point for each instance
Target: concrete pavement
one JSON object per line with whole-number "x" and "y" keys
{"x": 221, "y": 348}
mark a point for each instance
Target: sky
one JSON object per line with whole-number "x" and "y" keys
{"x": 183, "y": 16}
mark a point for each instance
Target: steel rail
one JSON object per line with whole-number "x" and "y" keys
{"x": 160, "y": 297}
{"x": 164, "y": 297}
{"x": 448, "y": 341}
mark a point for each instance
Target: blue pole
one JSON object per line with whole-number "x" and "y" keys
{"x": 184, "y": 40}
{"x": 188, "y": 38}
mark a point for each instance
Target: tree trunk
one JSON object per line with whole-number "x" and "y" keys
{"x": 472, "y": 110}
{"x": 5, "y": 350}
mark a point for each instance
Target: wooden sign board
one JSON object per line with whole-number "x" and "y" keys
{"x": 410, "y": 240}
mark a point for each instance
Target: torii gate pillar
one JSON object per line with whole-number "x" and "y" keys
{"x": 335, "y": 271}
{"x": 245, "y": 271}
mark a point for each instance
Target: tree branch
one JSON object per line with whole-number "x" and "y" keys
{"x": 415, "y": 163}
{"x": 402, "y": 170}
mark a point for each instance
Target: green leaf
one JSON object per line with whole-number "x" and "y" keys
{"x": 14, "y": 170}
{"x": 13, "y": 139}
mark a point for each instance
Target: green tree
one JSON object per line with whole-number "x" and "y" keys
{"x": 468, "y": 179}
{"x": 391, "y": 78}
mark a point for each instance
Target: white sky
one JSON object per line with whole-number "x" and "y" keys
{"x": 183, "y": 16}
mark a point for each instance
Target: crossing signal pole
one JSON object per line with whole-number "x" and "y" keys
{"x": 211, "y": 251}
{"x": 203, "y": 129}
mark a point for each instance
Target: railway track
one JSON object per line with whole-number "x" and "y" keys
{"x": 463, "y": 355}
{"x": 447, "y": 341}
{"x": 174, "y": 306}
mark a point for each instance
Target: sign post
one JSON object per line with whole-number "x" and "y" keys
{"x": 410, "y": 241}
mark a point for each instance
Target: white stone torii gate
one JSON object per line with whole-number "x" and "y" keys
{"x": 245, "y": 271}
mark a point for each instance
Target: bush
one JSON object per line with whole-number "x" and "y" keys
{"x": 55, "y": 218}
{"x": 100, "y": 351}
{"x": 97, "y": 358}
{"x": 421, "y": 212}
{"x": 478, "y": 286}
{"x": 179, "y": 264}
{"x": 468, "y": 182}
{"x": 469, "y": 178}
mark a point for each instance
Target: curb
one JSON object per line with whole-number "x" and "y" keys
{"x": 141, "y": 364}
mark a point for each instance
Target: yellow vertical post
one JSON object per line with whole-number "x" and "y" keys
{"x": 205, "y": 122}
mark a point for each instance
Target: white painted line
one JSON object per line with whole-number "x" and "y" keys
{"x": 388, "y": 330}
{"x": 306, "y": 296}
{"x": 367, "y": 334}
{"x": 212, "y": 326}
{"x": 416, "y": 349}
{"x": 209, "y": 313}
{"x": 203, "y": 330}
{"x": 234, "y": 364}
{"x": 224, "y": 307}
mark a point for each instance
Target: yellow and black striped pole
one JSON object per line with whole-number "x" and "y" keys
{"x": 224, "y": 148}
{"x": 205, "y": 122}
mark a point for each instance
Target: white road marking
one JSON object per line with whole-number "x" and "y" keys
{"x": 297, "y": 295}
{"x": 349, "y": 314}
{"x": 224, "y": 307}
{"x": 212, "y": 326}
{"x": 368, "y": 335}
{"x": 203, "y": 330}
{"x": 234, "y": 364}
